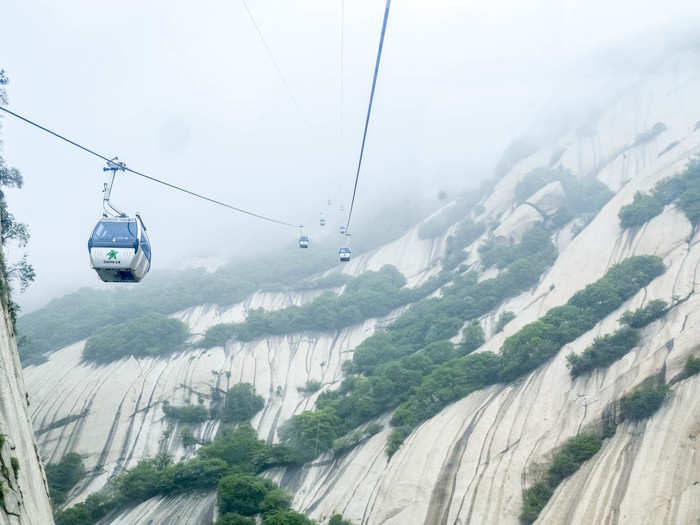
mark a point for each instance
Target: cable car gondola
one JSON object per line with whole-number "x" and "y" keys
{"x": 344, "y": 254}
{"x": 304, "y": 241}
{"x": 119, "y": 248}
{"x": 342, "y": 230}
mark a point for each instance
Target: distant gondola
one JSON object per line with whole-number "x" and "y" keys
{"x": 303, "y": 241}
{"x": 344, "y": 254}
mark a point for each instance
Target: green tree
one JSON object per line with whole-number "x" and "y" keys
{"x": 643, "y": 208}
{"x": 241, "y": 403}
{"x": 310, "y": 433}
{"x": 645, "y": 315}
{"x": 62, "y": 476}
{"x": 644, "y": 401}
{"x": 242, "y": 493}
{"x": 10, "y": 229}
{"x": 472, "y": 337}
{"x": 692, "y": 366}
{"x": 503, "y": 320}
{"x": 276, "y": 499}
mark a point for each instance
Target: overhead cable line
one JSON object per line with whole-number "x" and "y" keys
{"x": 283, "y": 79}
{"x": 342, "y": 66}
{"x": 121, "y": 166}
{"x": 369, "y": 110}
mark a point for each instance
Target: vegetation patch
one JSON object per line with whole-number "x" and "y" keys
{"x": 236, "y": 455}
{"x": 683, "y": 189}
{"x": 650, "y": 134}
{"x": 372, "y": 294}
{"x": 645, "y": 315}
{"x": 148, "y": 335}
{"x": 644, "y": 207}
{"x": 63, "y": 476}
{"x": 585, "y": 196}
{"x": 566, "y": 461}
{"x": 669, "y": 147}
{"x": 241, "y": 403}
{"x": 349, "y": 441}
{"x": 496, "y": 252}
{"x": 644, "y": 401}
{"x": 187, "y": 413}
{"x": 466, "y": 233}
{"x": 692, "y": 366}
{"x": 503, "y": 320}
{"x": 472, "y": 338}
{"x": 603, "y": 352}
{"x": 187, "y": 437}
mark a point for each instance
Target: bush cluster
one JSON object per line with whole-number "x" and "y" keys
{"x": 241, "y": 403}
{"x": 503, "y": 320}
{"x": 500, "y": 253}
{"x": 649, "y": 134}
{"x": 351, "y": 440}
{"x": 684, "y": 189}
{"x": 645, "y": 315}
{"x": 692, "y": 366}
{"x": 466, "y": 233}
{"x": 372, "y": 294}
{"x": 63, "y": 476}
{"x": 603, "y": 352}
{"x": 584, "y": 196}
{"x": 609, "y": 348}
{"x": 236, "y": 452}
{"x": 643, "y": 208}
{"x": 147, "y": 335}
{"x": 472, "y": 338}
{"x": 644, "y": 401}
{"x": 565, "y": 462}
{"x": 187, "y": 413}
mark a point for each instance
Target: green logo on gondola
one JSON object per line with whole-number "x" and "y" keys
{"x": 112, "y": 255}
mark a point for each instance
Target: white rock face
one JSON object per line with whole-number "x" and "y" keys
{"x": 471, "y": 462}
{"x": 23, "y": 496}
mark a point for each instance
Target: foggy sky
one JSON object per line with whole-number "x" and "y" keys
{"x": 186, "y": 92}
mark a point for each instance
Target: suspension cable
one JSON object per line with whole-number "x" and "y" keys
{"x": 369, "y": 110}
{"x": 123, "y": 167}
{"x": 342, "y": 65}
{"x": 278, "y": 69}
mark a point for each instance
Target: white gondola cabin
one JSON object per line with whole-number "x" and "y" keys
{"x": 120, "y": 250}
